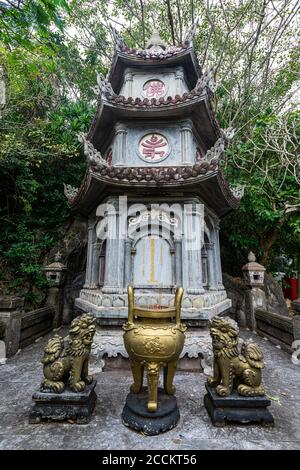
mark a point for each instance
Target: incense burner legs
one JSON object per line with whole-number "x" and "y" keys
{"x": 153, "y": 370}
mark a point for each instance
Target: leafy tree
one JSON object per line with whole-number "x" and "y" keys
{"x": 25, "y": 22}
{"x": 39, "y": 151}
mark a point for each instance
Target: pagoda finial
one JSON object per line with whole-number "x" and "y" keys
{"x": 155, "y": 42}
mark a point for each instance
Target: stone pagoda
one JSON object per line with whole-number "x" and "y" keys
{"x": 153, "y": 153}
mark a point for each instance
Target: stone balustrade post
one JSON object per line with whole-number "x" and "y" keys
{"x": 11, "y": 311}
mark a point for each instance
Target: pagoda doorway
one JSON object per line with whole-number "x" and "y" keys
{"x": 152, "y": 262}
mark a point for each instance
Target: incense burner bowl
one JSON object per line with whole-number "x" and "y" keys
{"x": 153, "y": 338}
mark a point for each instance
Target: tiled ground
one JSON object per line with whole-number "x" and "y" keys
{"x": 21, "y": 375}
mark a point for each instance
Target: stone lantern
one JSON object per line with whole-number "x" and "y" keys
{"x": 56, "y": 274}
{"x": 253, "y": 272}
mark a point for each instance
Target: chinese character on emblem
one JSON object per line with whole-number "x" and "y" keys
{"x": 154, "y": 89}
{"x": 154, "y": 147}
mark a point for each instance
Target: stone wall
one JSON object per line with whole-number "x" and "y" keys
{"x": 19, "y": 328}
{"x": 35, "y": 324}
{"x": 11, "y": 310}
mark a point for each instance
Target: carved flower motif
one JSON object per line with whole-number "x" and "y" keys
{"x": 153, "y": 345}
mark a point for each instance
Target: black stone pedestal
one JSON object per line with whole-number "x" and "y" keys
{"x": 135, "y": 413}
{"x": 77, "y": 406}
{"x": 236, "y": 408}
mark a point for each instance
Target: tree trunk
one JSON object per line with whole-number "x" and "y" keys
{"x": 267, "y": 241}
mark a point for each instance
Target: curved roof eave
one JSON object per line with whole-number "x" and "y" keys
{"x": 186, "y": 57}
{"x": 211, "y": 187}
{"x": 109, "y": 112}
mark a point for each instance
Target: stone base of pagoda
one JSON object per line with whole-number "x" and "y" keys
{"x": 111, "y": 309}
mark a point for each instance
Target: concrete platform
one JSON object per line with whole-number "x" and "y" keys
{"x": 21, "y": 375}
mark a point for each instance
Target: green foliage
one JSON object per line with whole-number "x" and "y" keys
{"x": 22, "y": 22}
{"x": 39, "y": 152}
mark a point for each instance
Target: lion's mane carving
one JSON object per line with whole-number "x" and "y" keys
{"x": 69, "y": 365}
{"x": 234, "y": 369}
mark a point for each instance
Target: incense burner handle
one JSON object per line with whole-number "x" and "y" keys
{"x": 178, "y": 300}
{"x": 130, "y": 292}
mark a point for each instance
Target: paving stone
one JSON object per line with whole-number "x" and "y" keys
{"x": 22, "y": 374}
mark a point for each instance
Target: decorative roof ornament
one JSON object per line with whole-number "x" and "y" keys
{"x": 228, "y": 133}
{"x": 155, "y": 43}
{"x": 120, "y": 44}
{"x": 103, "y": 87}
{"x": 190, "y": 34}
{"x": 159, "y": 54}
{"x": 216, "y": 150}
{"x": 93, "y": 156}
{"x": 158, "y": 175}
{"x": 207, "y": 80}
{"x": 238, "y": 191}
{"x": 70, "y": 192}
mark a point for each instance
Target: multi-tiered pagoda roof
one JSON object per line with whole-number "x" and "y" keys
{"x": 203, "y": 178}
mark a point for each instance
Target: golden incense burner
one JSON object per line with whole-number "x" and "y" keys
{"x": 154, "y": 338}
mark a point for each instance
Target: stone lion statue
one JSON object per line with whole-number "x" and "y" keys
{"x": 69, "y": 365}
{"x": 234, "y": 369}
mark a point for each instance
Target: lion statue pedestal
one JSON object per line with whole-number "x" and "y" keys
{"x": 154, "y": 339}
{"x": 235, "y": 391}
{"x": 67, "y": 391}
